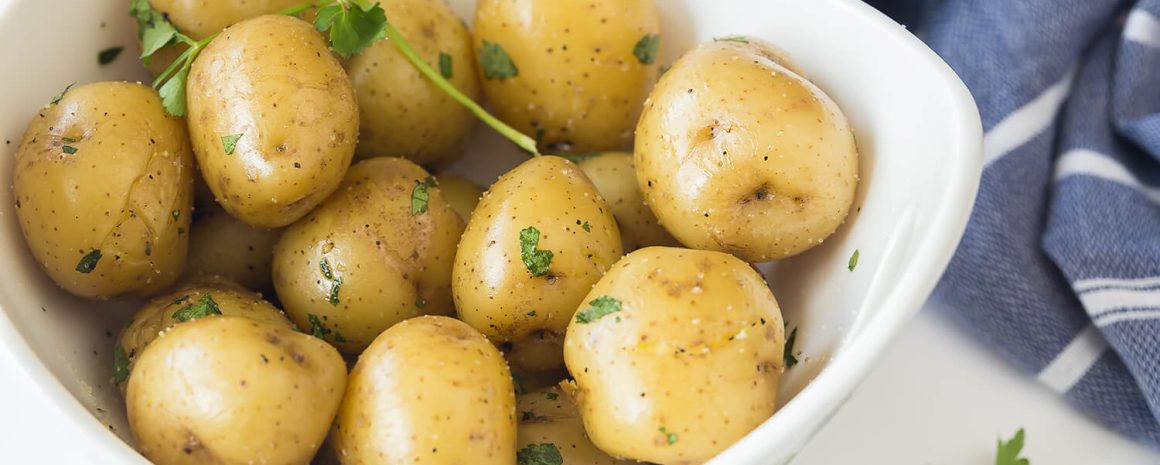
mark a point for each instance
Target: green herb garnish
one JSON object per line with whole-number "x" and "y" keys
{"x": 88, "y": 262}
{"x": 532, "y": 313}
{"x": 671, "y": 437}
{"x": 353, "y": 24}
{"x": 56, "y": 99}
{"x": 317, "y": 329}
{"x": 445, "y": 65}
{"x": 552, "y": 396}
{"x": 204, "y": 307}
{"x": 587, "y": 227}
{"x": 324, "y": 265}
{"x": 496, "y": 63}
{"x": 67, "y": 139}
{"x": 108, "y": 55}
{"x": 120, "y": 366}
{"x": 646, "y": 48}
{"x": 420, "y": 196}
{"x": 68, "y": 149}
{"x": 537, "y": 261}
{"x": 335, "y": 283}
{"x": 1007, "y": 453}
{"x": 334, "y": 287}
{"x": 230, "y": 142}
{"x": 853, "y": 260}
{"x": 338, "y": 337}
{"x": 539, "y": 454}
{"x": 598, "y": 308}
{"x": 788, "y": 356}
{"x": 738, "y": 39}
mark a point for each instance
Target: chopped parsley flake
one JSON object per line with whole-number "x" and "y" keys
{"x": 587, "y": 227}
{"x": 120, "y": 366}
{"x": 539, "y": 454}
{"x": 445, "y": 65}
{"x": 552, "y": 396}
{"x": 317, "y": 329}
{"x": 108, "y": 55}
{"x": 68, "y": 149}
{"x": 204, "y": 307}
{"x": 788, "y": 356}
{"x": 670, "y": 436}
{"x": 88, "y": 262}
{"x": 738, "y": 39}
{"x": 597, "y": 308}
{"x": 230, "y": 142}
{"x": 56, "y": 99}
{"x": 420, "y": 196}
{"x": 1007, "y": 453}
{"x": 496, "y": 63}
{"x": 853, "y": 260}
{"x": 537, "y": 261}
{"x": 646, "y": 48}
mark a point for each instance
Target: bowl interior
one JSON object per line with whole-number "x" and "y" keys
{"x": 915, "y": 125}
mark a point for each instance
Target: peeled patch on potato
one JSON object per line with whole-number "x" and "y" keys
{"x": 737, "y": 153}
{"x": 103, "y": 184}
{"x": 676, "y": 355}
{"x": 232, "y": 390}
{"x": 429, "y": 390}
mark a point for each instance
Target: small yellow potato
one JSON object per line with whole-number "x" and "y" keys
{"x": 234, "y": 391}
{"x": 273, "y": 119}
{"x": 739, "y": 154}
{"x": 368, "y": 257}
{"x": 615, "y": 178}
{"x": 550, "y": 427}
{"x": 572, "y": 72}
{"x": 463, "y": 195}
{"x": 103, "y": 184}
{"x": 429, "y": 390}
{"x": 676, "y": 355}
{"x": 224, "y": 246}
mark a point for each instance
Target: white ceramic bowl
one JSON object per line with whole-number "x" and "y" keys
{"x": 917, "y": 130}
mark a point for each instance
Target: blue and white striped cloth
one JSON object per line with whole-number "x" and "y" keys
{"x": 1059, "y": 269}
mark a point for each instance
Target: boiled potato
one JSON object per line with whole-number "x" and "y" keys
{"x": 273, "y": 119}
{"x": 463, "y": 195}
{"x": 535, "y": 244}
{"x": 615, "y": 179}
{"x": 528, "y": 381}
{"x": 231, "y": 390}
{"x": 195, "y": 300}
{"x": 401, "y": 112}
{"x": 429, "y": 390}
{"x": 736, "y": 153}
{"x": 367, "y": 258}
{"x": 572, "y": 72}
{"x": 221, "y": 245}
{"x": 676, "y": 355}
{"x": 550, "y": 426}
{"x": 538, "y": 351}
{"x": 103, "y": 182}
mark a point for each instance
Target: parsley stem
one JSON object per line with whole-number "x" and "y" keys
{"x": 294, "y": 10}
{"x": 523, "y": 141}
{"x": 184, "y": 60}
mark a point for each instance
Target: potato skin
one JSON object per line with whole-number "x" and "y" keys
{"x": 230, "y": 390}
{"x": 696, "y": 349}
{"x": 736, "y": 153}
{"x": 547, "y": 416}
{"x": 126, "y": 191}
{"x": 578, "y": 79}
{"x": 224, "y": 246}
{"x": 158, "y": 314}
{"x": 401, "y": 112}
{"x": 614, "y": 176}
{"x": 494, "y": 291}
{"x": 273, "y": 80}
{"x": 461, "y": 194}
{"x": 392, "y": 265}
{"x": 429, "y": 390}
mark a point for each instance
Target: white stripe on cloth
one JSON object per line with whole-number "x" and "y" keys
{"x": 1142, "y": 28}
{"x": 1090, "y": 163}
{"x": 1085, "y": 285}
{"x": 1100, "y": 301}
{"x": 1028, "y": 121}
{"x": 1128, "y": 316}
{"x": 1074, "y": 361}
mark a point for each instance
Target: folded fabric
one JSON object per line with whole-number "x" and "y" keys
{"x": 1059, "y": 269}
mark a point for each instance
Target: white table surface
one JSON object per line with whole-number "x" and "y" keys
{"x": 936, "y": 397}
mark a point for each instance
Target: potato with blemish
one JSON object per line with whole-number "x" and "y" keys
{"x": 676, "y": 355}
{"x": 273, "y": 119}
{"x": 463, "y": 195}
{"x": 233, "y": 391}
{"x": 571, "y": 72}
{"x": 615, "y": 177}
{"x": 737, "y": 153}
{"x": 103, "y": 185}
{"x": 224, "y": 246}
{"x": 429, "y": 390}
{"x": 401, "y": 112}
{"x": 195, "y": 300}
{"x": 377, "y": 252}
{"x": 550, "y": 426}
{"x": 535, "y": 244}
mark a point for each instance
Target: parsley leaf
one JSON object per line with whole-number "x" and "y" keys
{"x": 853, "y": 260}
{"x": 88, "y": 262}
{"x": 335, "y": 283}
{"x": 327, "y": 272}
{"x": 537, "y": 261}
{"x": 670, "y": 436}
{"x": 539, "y": 454}
{"x": 353, "y": 24}
{"x": 173, "y": 93}
{"x": 317, "y": 329}
{"x": 738, "y": 39}
{"x": 496, "y": 63}
{"x": 120, "y": 366}
{"x": 1007, "y": 453}
{"x": 587, "y": 227}
{"x": 230, "y": 142}
{"x": 203, "y": 308}
{"x": 552, "y": 396}
{"x": 68, "y": 149}
{"x": 788, "y": 356}
{"x": 153, "y": 28}
{"x": 531, "y": 313}
{"x": 338, "y": 337}
{"x": 56, "y": 99}
{"x": 334, "y": 286}
{"x": 108, "y": 55}
{"x": 445, "y": 65}
{"x": 597, "y": 308}
{"x": 646, "y": 48}
{"x": 419, "y": 195}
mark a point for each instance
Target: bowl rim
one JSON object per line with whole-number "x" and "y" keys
{"x": 832, "y": 386}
